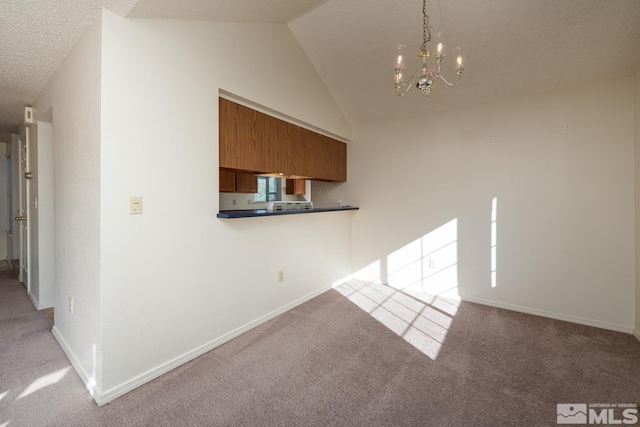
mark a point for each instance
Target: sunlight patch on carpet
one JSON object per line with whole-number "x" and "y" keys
{"x": 413, "y": 291}
{"x": 45, "y": 381}
{"x": 422, "y": 325}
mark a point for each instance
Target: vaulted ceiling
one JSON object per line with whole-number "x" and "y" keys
{"x": 512, "y": 48}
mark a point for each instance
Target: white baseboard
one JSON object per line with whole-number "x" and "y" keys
{"x": 88, "y": 382}
{"x": 551, "y": 315}
{"x": 39, "y": 306}
{"x": 636, "y": 334}
{"x": 115, "y": 392}
{"x": 33, "y": 299}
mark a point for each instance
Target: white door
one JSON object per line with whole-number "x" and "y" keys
{"x": 22, "y": 221}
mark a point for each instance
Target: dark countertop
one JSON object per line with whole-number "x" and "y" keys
{"x": 256, "y": 213}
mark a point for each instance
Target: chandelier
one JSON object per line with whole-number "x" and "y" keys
{"x": 427, "y": 76}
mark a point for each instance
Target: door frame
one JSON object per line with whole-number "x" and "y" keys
{"x": 24, "y": 275}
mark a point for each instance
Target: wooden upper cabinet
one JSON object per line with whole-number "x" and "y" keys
{"x": 229, "y": 153}
{"x": 281, "y": 135}
{"x": 335, "y": 160}
{"x": 227, "y": 181}
{"x": 246, "y": 183}
{"x": 297, "y": 187}
{"x": 238, "y": 147}
{"x": 251, "y": 141}
{"x": 237, "y": 182}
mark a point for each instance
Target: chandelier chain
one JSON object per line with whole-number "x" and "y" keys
{"x": 425, "y": 27}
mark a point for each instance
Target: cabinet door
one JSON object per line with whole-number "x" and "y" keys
{"x": 246, "y": 183}
{"x": 299, "y": 155}
{"x": 281, "y": 155}
{"x": 300, "y": 187}
{"x": 240, "y": 129}
{"x": 297, "y": 187}
{"x": 311, "y": 160}
{"x": 227, "y": 131}
{"x": 336, "y": 159}
{"x": 227, "y": 181}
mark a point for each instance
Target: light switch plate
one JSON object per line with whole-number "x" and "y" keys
{"x": 135, "y": 205}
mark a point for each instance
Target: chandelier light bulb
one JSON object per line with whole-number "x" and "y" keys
{"x": 440, "y": 47}
{"x": 459, "y": 63}
{"x": 400, "y": 56}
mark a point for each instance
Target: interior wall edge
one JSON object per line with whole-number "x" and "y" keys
{"x": 38, "y": 305}
{"x": 557, "y": 316}
{"x": 76, "y": 364}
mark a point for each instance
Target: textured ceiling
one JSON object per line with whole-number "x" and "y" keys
{"x": 224, "y": 10}
{"x": 512, "y": 47}
{"x": 35, "y": 36}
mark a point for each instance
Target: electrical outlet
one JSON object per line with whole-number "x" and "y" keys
{"x": 432, "y": 263}
{"x": 249, "y": 202}
{"x": 71, "y": 305}
{"x": 280, "y": 276}
{"x": 234, "y": 202}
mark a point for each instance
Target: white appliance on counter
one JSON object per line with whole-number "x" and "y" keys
{"x": 290, "y": 206}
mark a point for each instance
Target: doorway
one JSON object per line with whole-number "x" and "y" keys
{"x": 22, "y": 222}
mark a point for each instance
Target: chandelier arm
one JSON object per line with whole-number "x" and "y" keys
{"x": 447, "y": 82}
{"x": 403, "y": 88}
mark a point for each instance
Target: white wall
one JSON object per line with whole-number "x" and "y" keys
{"x": 176, "y": 280}
{"x": 74, "y": 94}
{"x": 41, "y": 216}
{"x": 561, "y": 167}
{"x": 637, "y": 198}
{"x": 32, "y": 216}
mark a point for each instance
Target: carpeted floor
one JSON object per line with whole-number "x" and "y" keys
{"x": 4, "y": 265}
{"x": 355, "y": 356}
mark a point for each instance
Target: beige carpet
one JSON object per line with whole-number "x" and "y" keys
{"x": 330, "y": 363}
{"x": 4, "y": 265}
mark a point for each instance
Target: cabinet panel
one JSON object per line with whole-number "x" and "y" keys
{"x": 246, "y": 183}
{"x": 320, "y": 157}
{"x": 228, "y": 149}
{"x": 336, "y": 159}
{"x": 296, "y": 187}
{"x": 239, "y": 129}
{"x": 227, "y": 181}
{"x": 317, "y": 156}
{"x": 281, "y": 136}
